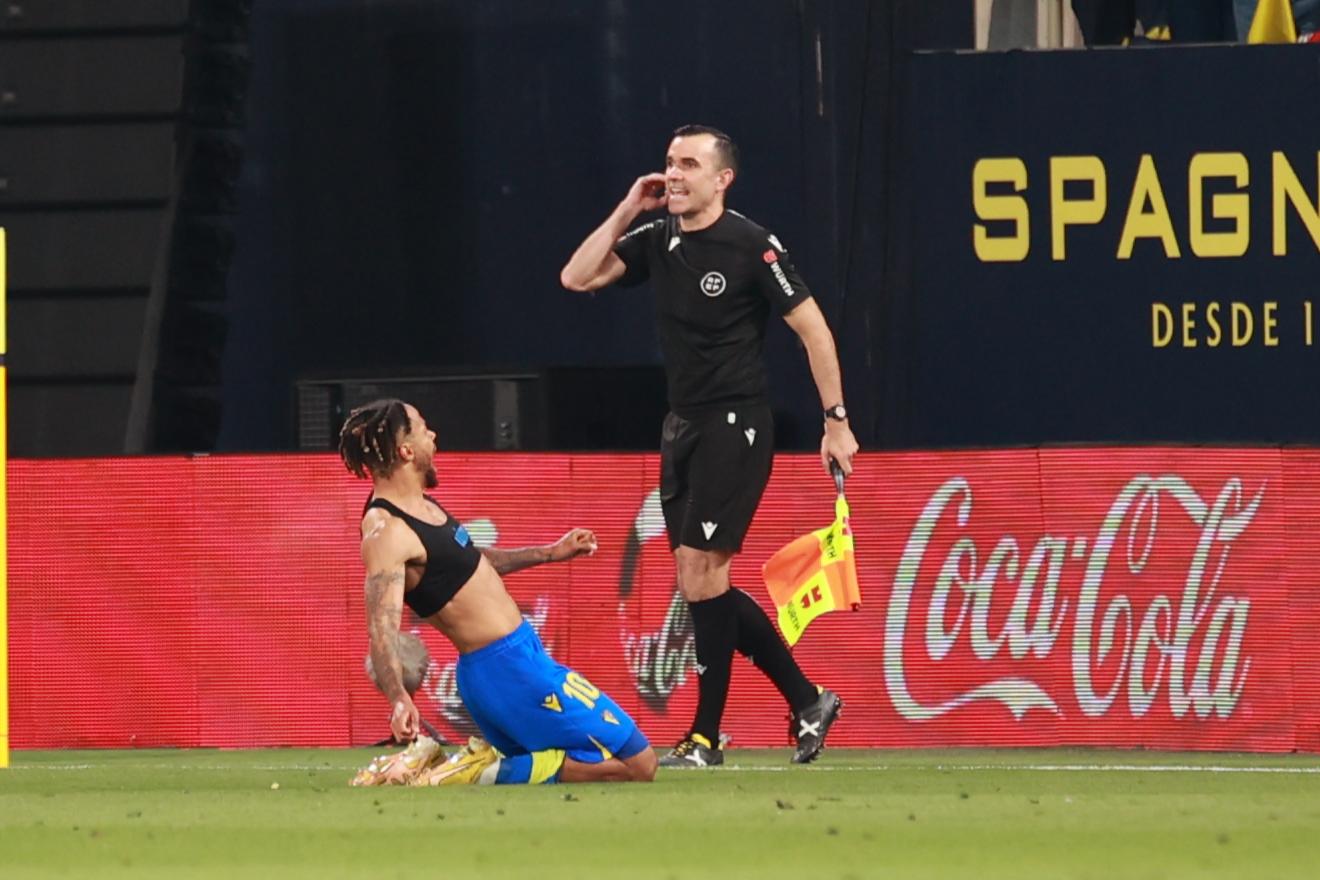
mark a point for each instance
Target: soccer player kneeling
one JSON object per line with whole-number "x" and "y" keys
{"x": 540, "y": 720}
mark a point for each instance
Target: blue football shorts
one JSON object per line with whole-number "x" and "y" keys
{"x": 524, "y": 701}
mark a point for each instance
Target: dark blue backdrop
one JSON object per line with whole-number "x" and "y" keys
{"x": 417, "y": 174}
{"x": 1045, "y": 350}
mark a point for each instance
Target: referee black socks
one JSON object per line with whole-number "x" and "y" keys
{"x": 760, "y": 642}
{"x": 734, "y": 621}
{"x": 715, "y": 624}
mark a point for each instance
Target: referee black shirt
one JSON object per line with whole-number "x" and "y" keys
{"x": 714, "y": 288}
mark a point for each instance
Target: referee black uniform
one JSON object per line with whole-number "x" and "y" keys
{"x": 715, "y": 291}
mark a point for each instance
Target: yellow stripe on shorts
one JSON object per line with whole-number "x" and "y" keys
{"x": 545, "y": 764}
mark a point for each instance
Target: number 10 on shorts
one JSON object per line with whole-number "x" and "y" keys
{"x": 578, "y": 688}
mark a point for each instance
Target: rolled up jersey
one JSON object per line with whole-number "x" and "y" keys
{"x": 814, "y": 574}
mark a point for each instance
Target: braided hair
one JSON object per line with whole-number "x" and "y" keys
{"x": 368, "y": 442}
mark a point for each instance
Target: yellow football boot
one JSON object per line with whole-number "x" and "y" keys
{"x": 464, "y": 767}
{"x": 401, "y": 768}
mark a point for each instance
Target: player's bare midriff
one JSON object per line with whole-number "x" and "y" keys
{"x": 481, "y": 612}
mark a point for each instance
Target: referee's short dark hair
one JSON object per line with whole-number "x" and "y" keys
{"x": 724, "y": 144}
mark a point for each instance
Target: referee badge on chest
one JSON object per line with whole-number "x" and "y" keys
{"x": 713, "y": 284}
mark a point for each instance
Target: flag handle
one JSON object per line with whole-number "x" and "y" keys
{"x": 837, "y": 472}
{"x": 839, "y": 476}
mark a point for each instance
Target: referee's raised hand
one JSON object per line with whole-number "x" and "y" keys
{"x": 648, "y": 193}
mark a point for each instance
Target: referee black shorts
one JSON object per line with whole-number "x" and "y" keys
{"x": 713, "y": 471}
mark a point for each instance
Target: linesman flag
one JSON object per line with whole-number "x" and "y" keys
{"x": 815, "y": 573}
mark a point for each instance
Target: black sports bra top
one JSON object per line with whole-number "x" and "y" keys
{"x": 451, "y": 558}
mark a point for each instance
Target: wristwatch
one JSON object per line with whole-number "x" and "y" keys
{"x": 837, "y": 412}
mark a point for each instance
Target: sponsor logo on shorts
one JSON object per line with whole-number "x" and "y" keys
{"x": 709, "y": 528}
{"x": 713, "y": 284}
{"x": 551, "y": 702}
{"x": 750, "y": 434}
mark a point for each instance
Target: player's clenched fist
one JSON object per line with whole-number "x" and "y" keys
{"x": 572, "y": 545}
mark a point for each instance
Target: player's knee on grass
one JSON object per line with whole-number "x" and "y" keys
{"x": 643, "y": 765}
{"x": 640, "y": 767}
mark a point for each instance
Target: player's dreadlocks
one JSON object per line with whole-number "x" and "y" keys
{"x": 367, "y": 440}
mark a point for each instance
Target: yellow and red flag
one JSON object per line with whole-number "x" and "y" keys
{"x": 815, "y": 573}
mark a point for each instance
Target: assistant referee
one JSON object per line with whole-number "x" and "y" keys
{"x": 717, "y": 276}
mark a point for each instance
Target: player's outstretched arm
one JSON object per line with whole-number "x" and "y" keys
{"x": 594, "y": 264}
{"x": 809, "y": 324}
{"x": 576, "y": 543}
{"x": 385, "y": 553}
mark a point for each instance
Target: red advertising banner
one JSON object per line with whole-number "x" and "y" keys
{"x": 1134, "y": 597}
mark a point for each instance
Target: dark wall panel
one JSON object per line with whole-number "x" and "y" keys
{"x": 86, "y": 249}
{"x": 48, "y": 164}
{"x": 75, "y": 335}
{"x": 63, "y": 417}
{"x": 90, "y": 77}
{"x": 36, "y": 15}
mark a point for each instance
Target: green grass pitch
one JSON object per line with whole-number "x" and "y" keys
{"x": 855, "y": 814}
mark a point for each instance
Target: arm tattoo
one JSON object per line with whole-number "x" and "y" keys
{"x": 379, "y": 584}
{"x": 509, "y": 561}
{"x": 384, "y": 613}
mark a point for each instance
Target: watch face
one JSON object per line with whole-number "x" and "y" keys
{"x": 837, "y": 412}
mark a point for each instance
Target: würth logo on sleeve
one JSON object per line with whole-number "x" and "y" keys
{"x": 713, "y": 284}
{"x": 776, "y": 270}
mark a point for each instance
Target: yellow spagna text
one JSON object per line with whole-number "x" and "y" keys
{"x": 1218, "y": 187}
{"x": 1234, "y": 206}
{"x": 1143, "y": 223}
{"x": 1007, "y": 248}
{"x": 1065, "y": 212}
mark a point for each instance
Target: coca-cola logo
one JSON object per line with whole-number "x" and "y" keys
{"x": 1183, "y": 641}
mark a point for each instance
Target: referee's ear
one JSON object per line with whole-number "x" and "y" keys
{"x": 724, "y": 179}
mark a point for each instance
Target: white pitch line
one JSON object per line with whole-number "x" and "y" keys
{"x": 185, "y": 767}
{"x": 1046, "y": 768}
{"x": 1139, "y": 768}
{"x": 880, "y": 768}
